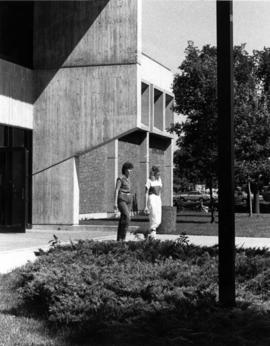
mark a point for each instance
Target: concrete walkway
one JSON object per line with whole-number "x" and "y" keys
{"x": 18, "y": 248}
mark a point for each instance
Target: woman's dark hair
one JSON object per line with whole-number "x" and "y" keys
{"x": 126, "y": 165}
{"x": 155, "y": 170}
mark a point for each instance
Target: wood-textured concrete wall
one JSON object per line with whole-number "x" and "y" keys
{"x": 82, "y": 108}
{"x": 16, "y": 95}
{"x": 80, "y": 105}
{"x": 54, "y": 192}
{"x": 72, "y": 33}
{"x": 85, "y": 60}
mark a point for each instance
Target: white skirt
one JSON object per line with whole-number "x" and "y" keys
{"x": 154, "y": 206}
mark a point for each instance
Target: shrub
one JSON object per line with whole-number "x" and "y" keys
{"x": 261, "y": 285}
{"x": 90, "y": 284}
{"x": 248, "y": 266}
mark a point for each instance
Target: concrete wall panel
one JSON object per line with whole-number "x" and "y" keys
{"x": 73, "y": 33}
{"x": 82, "y": 108}
{"x": 53, "y": 194}
{"x": 158, "y": 75}
{"x": 16, "y": 95}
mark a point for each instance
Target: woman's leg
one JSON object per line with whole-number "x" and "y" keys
{"x": 123, "y": 221}
{"x": 155, "y": 214}
{"x": 158, "y": 212}
{"x": 155, "y": 211}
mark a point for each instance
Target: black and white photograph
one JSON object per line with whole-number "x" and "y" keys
{"x": 135, "y": 173}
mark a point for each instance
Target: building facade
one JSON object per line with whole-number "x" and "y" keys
{"x": 78, "y": 98}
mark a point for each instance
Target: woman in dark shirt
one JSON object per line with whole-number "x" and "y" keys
{"x": 122, "y": 200}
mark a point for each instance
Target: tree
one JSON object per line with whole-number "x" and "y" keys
{"x": 252, "y": 119}
{"x": 195, "y": 89}
{"x": 195, "y": 97}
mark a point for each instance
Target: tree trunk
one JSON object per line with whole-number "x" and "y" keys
{"x": 256, "y": 201}
{"x": 249, "y": 200}
{"x": 212, "y": 204}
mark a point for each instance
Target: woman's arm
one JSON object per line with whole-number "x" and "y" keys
{"x": 116, "y": 192}
{"x": 146, "y": 200}
{"x": 160, "y": 187}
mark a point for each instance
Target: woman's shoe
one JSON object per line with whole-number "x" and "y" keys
{"x": 153, "y": 234}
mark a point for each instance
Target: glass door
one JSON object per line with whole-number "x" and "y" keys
{"x": 14, "y": 189}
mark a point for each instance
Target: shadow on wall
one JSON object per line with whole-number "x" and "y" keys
{"x": 40, "y": 36}
{"x": 159, "y": 142}
{"x": 16, "y": 32}
{"x": 58, "y": 28}
{"x": 16, "y": 52}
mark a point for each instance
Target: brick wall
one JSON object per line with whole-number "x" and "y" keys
{"x": 131, "y": 152}
{"x": 156, "y": 158}
{"x": 92, "y": 181}
{"x": 96, "y": 180}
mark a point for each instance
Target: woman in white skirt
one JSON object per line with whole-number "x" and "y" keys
{"x": 153, "y": 188}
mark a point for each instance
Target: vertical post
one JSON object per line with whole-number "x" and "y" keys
{"x": 111, "y": 173}
{"x": 168, "y": 176}
{"x": 226, "y": 231}
{"x": 144, "y": 169}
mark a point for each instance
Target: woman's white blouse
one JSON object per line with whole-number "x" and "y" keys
{"x": 153, "y": 183}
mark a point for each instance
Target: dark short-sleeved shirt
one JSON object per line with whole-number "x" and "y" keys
{"x": 125, "y": 184}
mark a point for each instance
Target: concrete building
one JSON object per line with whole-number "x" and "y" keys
{"x": 78, "y": 97}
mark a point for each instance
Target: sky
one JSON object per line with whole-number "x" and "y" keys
{"x": 167, "y": 26}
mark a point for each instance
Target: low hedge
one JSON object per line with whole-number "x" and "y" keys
{"x": 89, "y": 284}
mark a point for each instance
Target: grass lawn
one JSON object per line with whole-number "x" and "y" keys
{"x": 196, "y": 223}
{"x": 245, "y": 226}
{"x": 16, "y": 329}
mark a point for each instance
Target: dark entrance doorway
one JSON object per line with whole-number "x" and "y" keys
{"x": 15, "y": 179}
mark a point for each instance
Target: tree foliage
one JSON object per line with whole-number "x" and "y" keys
{"x": 195, "y": 89}
{"x": 195, "y": 97}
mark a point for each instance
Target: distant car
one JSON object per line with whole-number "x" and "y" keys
{"x": 266, "y": 195}
{"x": 240, "y": 196}
{"x": 194, "y": 196}
{"x": 215, "y": 194}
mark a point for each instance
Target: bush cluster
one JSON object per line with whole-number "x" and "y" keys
{"x": 93, "y": 282}
{"x": 89, "y": 284}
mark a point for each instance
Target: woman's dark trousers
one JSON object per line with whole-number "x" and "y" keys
{"x": 124, "y": 220}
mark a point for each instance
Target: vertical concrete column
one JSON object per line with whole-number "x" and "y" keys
{"x": 163, "y": 111}
{"x": 151, "y": 106}
{"x": 168, "y": 177}
{"x": 76, "y": 192}
{"x": 168, "y": 211}
{"x": 111, "y": 173}
{"x": 144, "y": 169}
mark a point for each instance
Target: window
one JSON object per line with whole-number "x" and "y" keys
{"x": 158, "y": 109}
{"x": 145, "y": 104}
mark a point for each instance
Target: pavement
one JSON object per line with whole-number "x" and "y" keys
{"x": 16, "y": 249}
